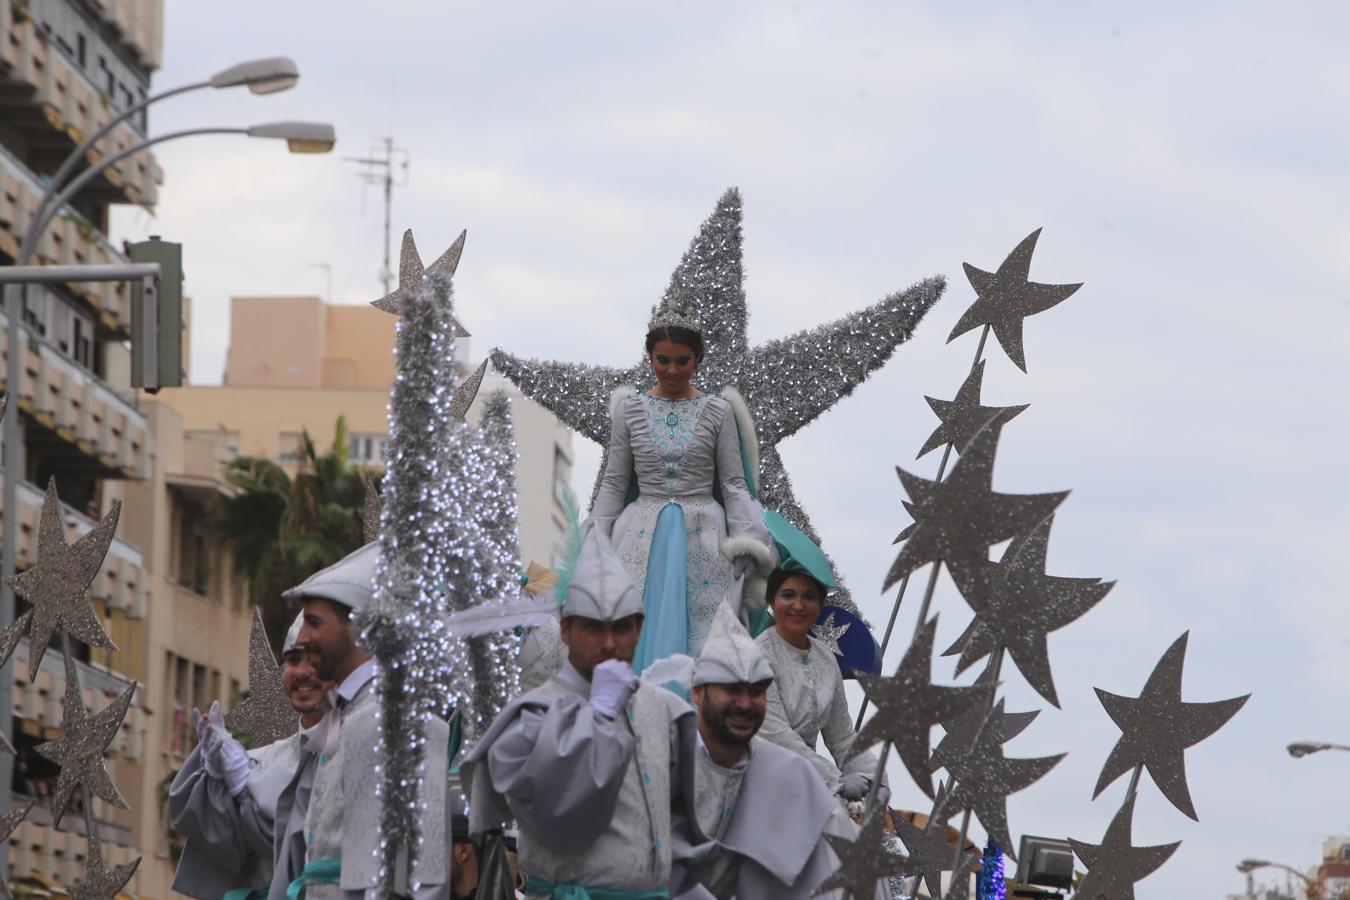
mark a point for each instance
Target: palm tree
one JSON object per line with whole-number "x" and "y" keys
{"x": 284, "y": 529}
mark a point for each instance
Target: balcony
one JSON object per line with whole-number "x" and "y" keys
{"x": 76, "y": 420}
{"x": 55, "y": 106}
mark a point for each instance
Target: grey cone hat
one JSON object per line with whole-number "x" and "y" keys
{"x": 349, "y": 582}
{"x": 293, "y": 634}
{"x": 730, "y": 655}
{"x": 600, "y": 588}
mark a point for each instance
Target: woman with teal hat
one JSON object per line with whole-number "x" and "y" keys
{"x": 806, "y": 699}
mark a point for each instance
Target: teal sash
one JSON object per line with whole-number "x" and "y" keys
{"x": 321, "y": 871}
{"x": 568, "y": 891}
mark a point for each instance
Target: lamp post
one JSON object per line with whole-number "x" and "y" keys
{"x": 1301, "y": 749}
{"x": 1248, "y": 866}
{"x": 300, "y": 137}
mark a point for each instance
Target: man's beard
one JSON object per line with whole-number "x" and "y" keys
{"x": 717, "y": 722}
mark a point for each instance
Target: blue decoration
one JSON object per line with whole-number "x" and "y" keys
{"x": 859, "y": 652}
{"x": 989, "y": 885}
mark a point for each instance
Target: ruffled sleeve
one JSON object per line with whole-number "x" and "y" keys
{"x": 746, "y": 533}
{"x": 612, "y": 495}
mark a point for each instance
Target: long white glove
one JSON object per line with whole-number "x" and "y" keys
{"x": 204, "y": 742}
{"x": 853, "y": 786}
{"x": 743, "y": 565}
{"x": 612, "y": 683}
{"x": 230, "y": 757}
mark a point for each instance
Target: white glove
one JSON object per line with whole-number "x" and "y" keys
{"x": 230, "y": 757}
{"x": 205, "y": 743}
{"x": 612, "y": 683}
{"x": 743, "y": 565}
{"x": 853, "y": 786}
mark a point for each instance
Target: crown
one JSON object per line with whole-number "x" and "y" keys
{"x": 671, "y": 318}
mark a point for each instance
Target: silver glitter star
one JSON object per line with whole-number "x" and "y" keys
{"x": 961, "y": 728}
{"x": 1157, "y": 727}
{"x": 930, "y": 854}
{"x": 57, "y": 586}
{"x": 862, "y": 862}
{"x": 786, "y": 383}
{"x": 909, "y": 705}
{"x": 10, "y": 820}
{"x": 411, "y": 273}
{"x": 80, "y": 748}
{"x": 829, "y": 634}
{"x": 9, "y": 639}
{"x": 101, "y": 883}
{"x": 467, "y": 391}
{"x": 370, "y": 516}
{"x": 266, "y": 715}
{"x": 1006, "y": 297}
{"x": 961, "y": 517}
{"x": 1115, "y": 864}
{"x": 963, "y": 416}
{"x": 1017, "y": 605}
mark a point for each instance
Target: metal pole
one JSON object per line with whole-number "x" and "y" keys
{"x": 47, "y": 274}
{"x": 388, "y": 202}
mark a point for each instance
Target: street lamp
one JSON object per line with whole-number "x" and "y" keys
{"x": 1248, "y": 866}
{"x": 1303, "y": 748}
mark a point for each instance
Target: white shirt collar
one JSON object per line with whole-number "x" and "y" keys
{"x": 352, "y": 684}
{"x": 741, "y": 763}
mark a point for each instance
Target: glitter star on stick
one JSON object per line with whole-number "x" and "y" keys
{"x": 58, "y": 585}
{"x": 962, "y": 728}
{"x": 1158, "y": 726}
{"x": 10, "y": 821}
{"x": 83, "y": 741}
{"x": 1115, "y": 864}
{"x": 961, "y": 517}
{"x": 266, "y": 715}
{"x": 930, "y": 854}
{"x": 411, "y": 274}
{"x": 370, "y": 515}
{"x": 101, "y": 883}
{"x": 9, "y": 639}
{"x": 467, "y": 391}
{"x": 962, "y": 417}
{"x": 909, "y": 705}
{"x": 1006, "y": 297}
{"x": 862, "y": 862}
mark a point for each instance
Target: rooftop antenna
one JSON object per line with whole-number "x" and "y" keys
{"x": 380, "y": 168}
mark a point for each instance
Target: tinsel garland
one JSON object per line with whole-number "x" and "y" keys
{"x": 989, "y": 885}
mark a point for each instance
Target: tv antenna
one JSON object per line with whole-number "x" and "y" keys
{"x": 380, "y": 168}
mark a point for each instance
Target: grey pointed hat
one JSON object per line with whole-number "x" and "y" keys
{"x": 349, "y": 582}
{"x": 600, "y": 588}
{"x": 730, "y": 655}
{"x": 293, "y": 634}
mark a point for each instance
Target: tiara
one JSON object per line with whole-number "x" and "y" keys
{"x": 671, "y": 318}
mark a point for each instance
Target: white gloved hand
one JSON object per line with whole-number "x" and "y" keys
{"x": 853, "y": 787}
{"x": 743, "y": 565}
{"x": 230, "y": 756}
{"x": 206, "y": 745}
{"x": 612, "y": 683}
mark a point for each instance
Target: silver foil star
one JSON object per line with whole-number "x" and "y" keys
{"x": 962, "y": 728}
{"x": 467, "y": 391}
{"x": 1157, "y": 727}
{"x": 1017, "y": 605}
{"x": 266, "y": 715}
{"x": 963, "y": 416}
{"x": 370, "y": 515}
{"x": 10, "y": 820}
{"x": 101, "y": 883}
{"x": 930, "y": 854}
{"x": 1006, "y": 297}
{"x": 829, "y": 634}
{"x": 909, "y": 705}
{"x": 862, "y": 862}
{"x": 411, "y": 274}
{"x": 1115, "y": 865}
{"x": 786, "y": 383}
{"x": 962, "y": 517}
{"x": 57, "y": 586}
{"x": 83, "y": 741}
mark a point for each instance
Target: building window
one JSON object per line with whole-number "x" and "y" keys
{"x": 192, "y": 550}
{"x": 562, "y": 478}
{"x": 290, "y": 447}
{"x": 366, "y": 449}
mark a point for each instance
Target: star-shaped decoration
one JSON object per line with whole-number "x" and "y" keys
{"x": 930, "y": 852}
{"x": 863, "y": 862}
{"x": 83, "y": 741}
{"x": 9, "y": 639}
{"x": 959, "y": 889}
{"x": 962, "y": 728}
{"x": 1157, "y": 727}
{"x": 101, "y": 883}
{"x": 909, "y": 705}
{"x": 266, "y": 715}
{"x": 57, "y": 586}
{"x": 961, "y": 517}
{"x": 963, "y": 416}
{"x": 985, "y": 777}
{"x": 411, "y": 274}
{"x": 1006, "y": 297}
{"x": 786, "y": 383}
{"x": 1017, "y": 605}
{"x": 909, "y": 529}
{"x": 1114, "y": 865}
{"x": 370, "y": 515}
{"x": 829, "y": 634}
{"x": 467, "y": 391}
{"x": 10, "y": 821}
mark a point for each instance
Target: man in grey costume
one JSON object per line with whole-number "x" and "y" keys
{"x": 591, "y": 762}
{"x": 223, "y": 799}
{"x": 327, "y": 819}
{"x": 761, "y": 811}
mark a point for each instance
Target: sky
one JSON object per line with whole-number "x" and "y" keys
{"x": 1188, "y": 164}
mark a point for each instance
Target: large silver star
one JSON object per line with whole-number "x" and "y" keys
{"x": 1006, "y": 297}
{"x": 864, "y": 861}
{"x": 370, "y": 515}
{"x": 963, "y": 416}
{"x": 57, "y": 586}
{"x": 1158, "y": 726}
{"x": 1115, "y": 864}
{"x": 83, "y": 741}
{"x": 962, "y": 728}
{"x": 10, "y": 820}
{"x": 411, "y": 274}
{"x": 929, "y": 852}
{"x": 266, "y": 715}
{"x": 786, "y": 383}
{"x": 829, "y": 634}
{"x": 101, "y": 883}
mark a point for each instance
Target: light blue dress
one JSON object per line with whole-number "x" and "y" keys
{"x": 673, "y": 493}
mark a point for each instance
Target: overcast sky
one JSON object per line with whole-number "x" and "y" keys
{"x": 1187, "y": 164}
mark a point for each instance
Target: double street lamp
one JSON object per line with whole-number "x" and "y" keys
{"x": 1303, "y": 748}
{"x": 1248, "y": 866}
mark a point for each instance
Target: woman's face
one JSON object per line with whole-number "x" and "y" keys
{"x": 796, "y": 607}
{"x": 673, "y": 365}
